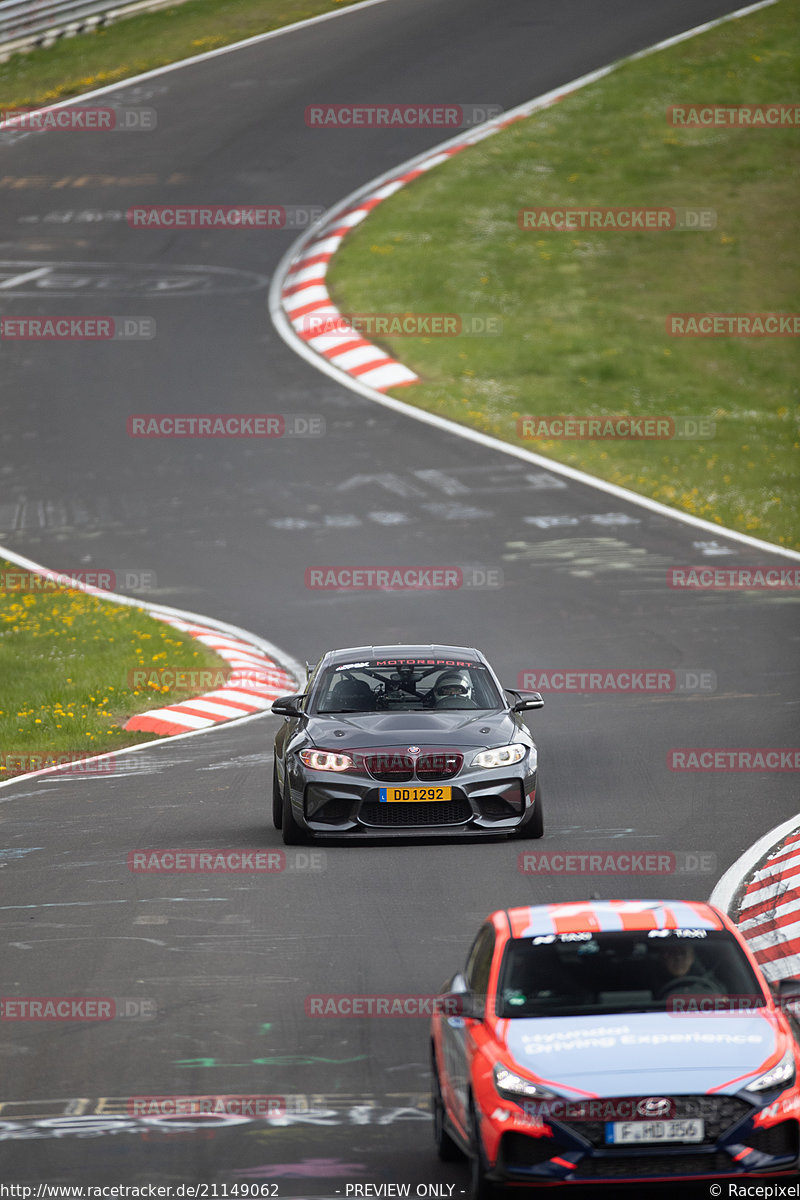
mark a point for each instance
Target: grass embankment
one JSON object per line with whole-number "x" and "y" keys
{"x": 584, "y": 313}
{"x": 66, "y": 663}
{"x": 140, "y": 43}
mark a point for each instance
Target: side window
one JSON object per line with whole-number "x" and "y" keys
{"x": 479, "y": 962}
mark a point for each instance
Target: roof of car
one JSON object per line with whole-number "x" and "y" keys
{"x": 609, "y": 916}
{"x": 450, "y": 654}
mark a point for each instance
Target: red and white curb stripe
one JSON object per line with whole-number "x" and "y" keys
{"x": 255, "y": 681}
{"x": 304, "y": 292}
{"x": 761, "y": 893}
{"x": 299, "y": 289}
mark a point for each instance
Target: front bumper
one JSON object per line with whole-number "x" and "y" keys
{"x": 348, "y": 805}
{"x": 576, "y": 1152}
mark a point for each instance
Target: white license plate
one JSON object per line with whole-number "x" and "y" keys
{"x": 628, "y": 1133}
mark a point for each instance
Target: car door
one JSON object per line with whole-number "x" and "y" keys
{"x": 457, "y": 1040}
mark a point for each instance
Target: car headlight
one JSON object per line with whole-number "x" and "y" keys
{"x": 502, "y": 756}
{"x": 781, "y": 1075}
{"x": 326, "y": 760}
{"x": 513, "y": 1087}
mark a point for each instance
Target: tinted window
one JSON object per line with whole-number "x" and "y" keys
{"x": 625, "y": 972}
{"x": 479, "y": 962}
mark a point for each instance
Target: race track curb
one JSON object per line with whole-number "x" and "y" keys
{"x": 260, "y": 672}
{"x": 761, "y": 894}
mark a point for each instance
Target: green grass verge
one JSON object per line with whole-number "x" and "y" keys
{"x": 140, "y": 43}
{"x": 584, "y": 313}
{"x": 65, "y": 663}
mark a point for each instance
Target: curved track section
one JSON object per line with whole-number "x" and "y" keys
{"x": 563, "y": 575}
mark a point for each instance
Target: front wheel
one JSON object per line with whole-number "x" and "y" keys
{"x": 481, "y": 1188}
{"x": 277, "y": 799}
{"x": 535, "y": 826}
{"x": 293, "y": 834}
{"x": 446, "y": 1148}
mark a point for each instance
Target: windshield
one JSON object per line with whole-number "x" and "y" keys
{"x": 677, "y": 970}
{"x": 376, "y": 686}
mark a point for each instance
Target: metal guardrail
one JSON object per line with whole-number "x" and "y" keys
{"x": 28, "y": 23}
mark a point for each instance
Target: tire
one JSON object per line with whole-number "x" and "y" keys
{"x": 535, "y": 826}
{"x": 446, "y": 1148}
{"x": 481, "y": 1188}
{"x": 277, "y": 799}
{"x": 293, "y": 834}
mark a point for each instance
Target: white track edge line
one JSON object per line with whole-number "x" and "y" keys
{"x": 207, "y": 54}
{"x": 292, "y": 339}
{"x": 290, "y": 665}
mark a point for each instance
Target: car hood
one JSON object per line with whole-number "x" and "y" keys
{"x": 644, "y": 1053}
{"x": 457, "y": 727}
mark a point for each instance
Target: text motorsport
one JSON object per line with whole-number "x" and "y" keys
{"x": 176, "y": 862}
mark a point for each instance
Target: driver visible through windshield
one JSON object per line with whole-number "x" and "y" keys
{"x": 405, "y": 687}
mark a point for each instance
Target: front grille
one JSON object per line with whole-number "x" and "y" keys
{"x": 628, "y": 1166}
{"x": 439, "y": 765}
{"x": 718, "y": 1114}
{"x": 779, "y": 1140}
{"x": 521, "y": 1150}
{"x": 453, "y": 812}
{"x": 390, "y": 768}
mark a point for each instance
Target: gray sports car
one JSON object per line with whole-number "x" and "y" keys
{"x": 405, "y": 741}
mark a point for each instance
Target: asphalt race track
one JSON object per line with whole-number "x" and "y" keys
{"x": 224, "y": 963}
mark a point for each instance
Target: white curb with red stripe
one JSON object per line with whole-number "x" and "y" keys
{"x": 260, "y": 672}
{"x": 299, "y": 288}
{"x": 255, "y": 681}
{"x": 761, "y": 893}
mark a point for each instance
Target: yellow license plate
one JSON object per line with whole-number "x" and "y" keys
{"x": 413, "y": 795}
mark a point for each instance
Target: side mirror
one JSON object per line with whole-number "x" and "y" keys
{"x": 288, "y": 706}
{"x": 460, "y": 1004}
{"x": 532, "y": 700}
